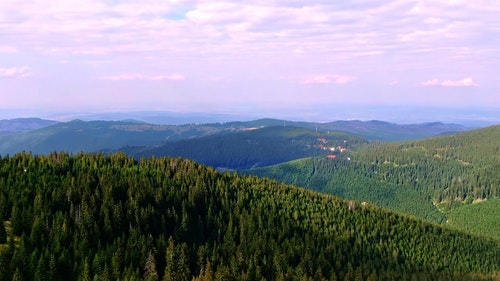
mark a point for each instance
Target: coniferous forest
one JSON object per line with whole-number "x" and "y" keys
{"x": 436, "y": 179}
{"x": 96, "y": 217}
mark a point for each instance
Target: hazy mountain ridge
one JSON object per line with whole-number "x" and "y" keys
{"x": 373, "y": 129}
{"x": 77, "y": 135}
{"x": 381, "y": 130}
{"x": 90, "y": 136}
{"x": 161, "y": 117}
{"x": 19, "y": 125}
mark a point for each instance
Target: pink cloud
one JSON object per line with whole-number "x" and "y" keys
{"x": 216, "y": 79}
{"x": 19, "y": 72}
{"x": 328, "y": 79}
{"x": 173, "y": 77}
{"x": 432, "y": 82}
{"x": 8, "y": 49}
{"x": 138, "y": 76}
{"x": 466, "y": 82}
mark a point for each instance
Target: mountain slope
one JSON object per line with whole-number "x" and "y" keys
{"x": 77, "y": 135}
{"x": 252, "y": 148}
{"x": 96, "y": 217}
{"x": 480, "y": 218}
{"x": 415, "y": 177}
{"x": 92, "y": 136}
{"x": 455, "y": 167}
{"x": 353, "y": 180}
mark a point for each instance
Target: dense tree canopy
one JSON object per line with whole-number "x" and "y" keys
{"x": 425, "y": 178}
{"x": 99, "y": 217}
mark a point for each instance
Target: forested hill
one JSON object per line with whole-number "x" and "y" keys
{"x": 91, "y": 136}
{"x": 426, "y": 178}
{"x": 254, "y": 147}
{"x": 456, "y": 167}
{"x": 381, "y": 130}
{"x": 37, "y": 136}
{"x": 373, "y": 129}
{"x": 101, "y": 217}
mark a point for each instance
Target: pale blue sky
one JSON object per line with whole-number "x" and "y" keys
{"x": 266, "y": 58}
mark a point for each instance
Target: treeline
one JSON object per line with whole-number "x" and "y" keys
{"x": 96, "y": 217}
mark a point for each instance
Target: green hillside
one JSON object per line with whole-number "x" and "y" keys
{"x": 413, "y": 176}
{"x": 480, "y": 218}
{"x": 254, "y": 147}
{"x": 101, "y": 217}
{"x": 453, "y": 167}
{"x": 355, "y": 181}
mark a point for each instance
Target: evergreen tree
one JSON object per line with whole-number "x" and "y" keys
{"x": 17, "y": 275}
{"x": 3, "y": 233}
{"x": 150, "y": 272}
{"x": 212, "y": 225}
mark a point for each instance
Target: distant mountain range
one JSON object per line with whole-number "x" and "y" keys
{"x": 375, "y": 129}
{"x": 43, "y": 136}
{"x": 20, "y": 125}
{"x": 380, "y": 130}
{"x": 468, "y": 117}
{"x": 92, "y": 136}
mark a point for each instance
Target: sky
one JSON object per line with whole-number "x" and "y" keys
{"x": 322, "y": 60}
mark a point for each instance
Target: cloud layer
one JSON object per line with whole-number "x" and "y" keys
{"x": 15, "y": 72}
{"x": 138, "y": 76}
{"x": 328, "y": 79}
{"x": 466, "y": 82}
{"x": 374, "y": 46}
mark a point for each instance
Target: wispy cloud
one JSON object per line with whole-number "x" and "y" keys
{"x": 466, "y": 82}
{"x": 217, "y": 79}
{"x": 138, "y": 76}
{"x": 16, "y": 72}
{"x": 6, "y": 49}
{"x": 322, "y": 31}
{"x": 328, "y": 79}
{"x": 252, "y": 46}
